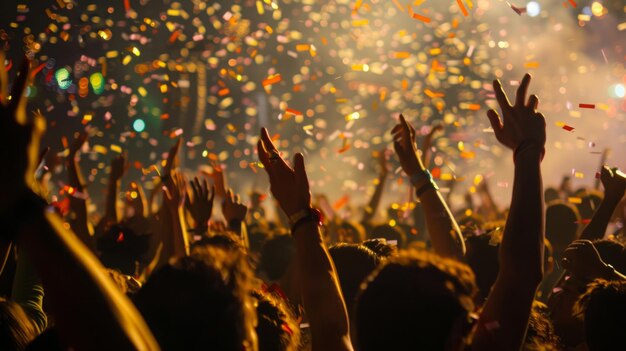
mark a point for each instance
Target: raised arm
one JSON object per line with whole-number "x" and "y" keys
{"x": 91, "y": 313}
{"x": 504, "y": 319}
{"x": 78, "y": 194}
{"x": 177, "y": 244}
{"x": 235, "y": 214}
{"x": 444, "y": 232}
{"x": 200, "y": 205}
{"x": 614, "y": 182}
{"x": 370, "y": 209}
{"x": 119, "y": 165}
{"x": 321, "y": 292}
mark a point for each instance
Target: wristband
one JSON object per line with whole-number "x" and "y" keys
{"x": 313, "y": 215}
{"x": 424, "y": 188}
{"x": 420, "y": 177}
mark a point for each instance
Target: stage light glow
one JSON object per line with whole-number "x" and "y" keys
{"x": 617, "y": 91}
{"x": 533, "y": 9}
{"x": 139, "y": 125}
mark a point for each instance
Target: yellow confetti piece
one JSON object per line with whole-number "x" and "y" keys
{"x": 574, "y": 200}
{"x": 116, "y": 148}
{"x": 303, "y": 47}
{"x": 360, "y": 23}
{"x": 532, "y": 64}
{"x": 100, "y": 149}
{"x": 579, "y": 175}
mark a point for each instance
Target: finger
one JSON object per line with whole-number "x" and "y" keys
{"x": 237, "y": 199}
{"x": 17, "y": 93}
{"x": 267, "y": 141}
{"x": 229, "y": 195}
{"x": 406, "y": 128}
{"x": 533, "y": 102}
{"x": 503, "y": 100}
{"x": 263, "y": 156}
{"x": 302, "y": 180}
{"x": 197, "y": 182}
{"x": 606, "y": 172}
{"x": 520, "y": 96}
{"x": 396, "y": 128}
{"x": 495, "y": 121}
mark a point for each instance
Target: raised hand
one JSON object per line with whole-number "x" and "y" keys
{"x": 406, "y": 149}
{"x": 520, "y": 122}
{"x": 77, "y": 144}
{"x": 232, "y": 208}
{"x": 201, "y": 207}
{"x": 219, "y": 179}
{"x": 583, "y": 260}
{"x": 290, "y": 186}
{"x": 175, "y": 190}
{"x": 19, "y": 136}
{"x": 119, "y": 166}
{"x": 172, "y": 158}
{"x": 614, "y": 182}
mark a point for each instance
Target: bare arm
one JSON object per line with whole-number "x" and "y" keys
{"x": 444, "y": 232}
{"x": 174, "y": 201}
{"x": 321, "y": 292}
{"x": 78, "y": 202}
{"x": 91, "y": 313}
{"x": 118, "y": 168}
{"x": 504, "y": 319}
{"x": 614, "y": 183}
{"x": 372, "y": 206}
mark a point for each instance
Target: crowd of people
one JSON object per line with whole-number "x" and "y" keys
{"x": 160, "y": 271}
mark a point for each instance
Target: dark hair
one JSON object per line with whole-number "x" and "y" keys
{"x": 380, "y": 248}
{"x": 276, "y": 256}
{"x": 562, "y": 223}
{"x": 223, "y": 240}
{"x": 612, "y": 252}
{"x": 550, "y": 194}
{"x": 413, "y": 301}
{"x": 540, "y": 335}
{"x": 121, "y": 248}
{"x": 16, "y": 328}
{"x": 201, "y": 300}
{"x": 482, "y": 257}
{"x": 354, "y": 263}
{"x": 385, "y": 231}
{"x": 590, "y": 201}
{"x": 277, "y": 329}
{"x": 603, "y": 308}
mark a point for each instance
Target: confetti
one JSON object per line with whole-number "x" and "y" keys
{"x": 591, "y": 106}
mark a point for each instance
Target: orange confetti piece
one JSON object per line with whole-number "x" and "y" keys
{"x": 126, "y": 5}
{"x": 294, "y": 112}
{"x": 341, "y": 202}
{"x": 303, "y": 47}
{"x": 398, "y": 5}
{"x": 531, "y": 64}
{"x": 431, "y": 94}
{"x": 174, "y": 36}
{"x": 473, "y": 107}
{"x": 223, "y": 92}
{"x": 417, "y": 16}
{"x": 402, "y": 54}
{"x": 462, "y": 7}
{"x": 272, "y": 80}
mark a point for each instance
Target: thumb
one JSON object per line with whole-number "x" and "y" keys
{"x": 301, "y": 177}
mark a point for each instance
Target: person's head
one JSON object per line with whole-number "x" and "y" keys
{"x": 540, "y": 335}
{"x": 568, "y": 326}
{"x": 348, "y": 232}
{"x": 354, "y": 263}
{"x": 203, "y": 299}
{"x": 562, "y": 223}
{"x": 16, "y": 328}
{"x": 603, "y": 310}
{"x": 391, "y": 234}
{"x": 122, "y": 248}
{"x": 381, "y": 248}
{"x": 277, "y": 329}
{"x": 551, "y": 194}
{"x": 482, "y": 257}
{"x": 276, "y": 256}
{"x": 415, "y": 301}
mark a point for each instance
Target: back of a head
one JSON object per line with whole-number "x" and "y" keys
{"x": 16, "y": 329}
{"x": 603, "y": 308}
{"x": 354, "y": 263}
{"x": 590, "y": 200}
{"x": 550, "y": 194}
{"x": 562, "y": 223}
{"x": 482, "y": 257}
{"x": 277, "y": 329}
{"x": 203, "y": 299}
{"x": 121, "y": 248}
{"x": 612, "y": 252}
{"x": 390, "y": 233}
{"x": 414, "y": 302}
{"x": 276, "y": 256}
